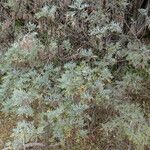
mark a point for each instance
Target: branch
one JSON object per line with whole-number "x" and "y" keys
{"x": 31, "y": 145}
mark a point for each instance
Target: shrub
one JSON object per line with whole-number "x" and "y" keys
{"x": 75, "y": 72}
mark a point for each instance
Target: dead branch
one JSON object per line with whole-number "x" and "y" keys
{"x": 33, "y": 145}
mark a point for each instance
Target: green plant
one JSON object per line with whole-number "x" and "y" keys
{"x": 74, "y": 73}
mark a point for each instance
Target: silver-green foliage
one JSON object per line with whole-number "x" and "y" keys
{"x": 58, "y": 97}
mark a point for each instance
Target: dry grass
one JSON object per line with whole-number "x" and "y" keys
{"x": 7, "y": 123}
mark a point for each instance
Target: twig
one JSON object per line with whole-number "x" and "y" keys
{"x": 31, "y": 145}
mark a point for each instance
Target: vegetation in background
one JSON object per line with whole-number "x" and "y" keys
{"x": 74, "y": 74}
